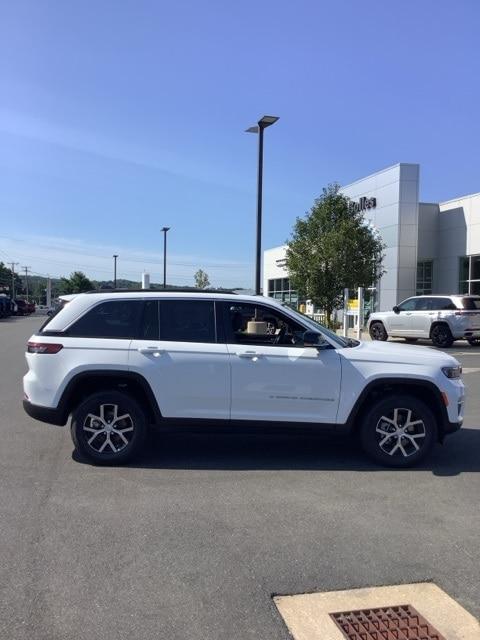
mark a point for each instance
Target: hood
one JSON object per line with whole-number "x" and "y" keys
{"x": 398, "y": 352}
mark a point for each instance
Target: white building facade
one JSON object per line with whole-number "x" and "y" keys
{"x": 430, "y": 247}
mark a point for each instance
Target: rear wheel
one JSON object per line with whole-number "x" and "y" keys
{"x": 377, "y": 331}
{"x": 441, "y": 336}
{"x": 108, "y": 428}
{"x": 398, "y": 431}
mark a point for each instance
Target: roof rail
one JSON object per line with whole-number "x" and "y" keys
{"x": 164, "y": 290}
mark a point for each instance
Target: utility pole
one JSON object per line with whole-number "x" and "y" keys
{"x": 26, "y": 278}
{"x": 13, "y": 278}
{"x": 48, "y": 299}
{"x": 115, "y": 256}
{"x": 165, "y": 229}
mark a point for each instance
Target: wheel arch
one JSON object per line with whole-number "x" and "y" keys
{"x": 423, "y": 390}
{"x": 88, "y": 382}
{"x": 436, "y": 323}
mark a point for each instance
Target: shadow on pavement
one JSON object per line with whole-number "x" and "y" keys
{"x": 249, "y": 451}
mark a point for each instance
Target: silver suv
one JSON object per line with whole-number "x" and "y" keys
{"x": 442, "y": 319}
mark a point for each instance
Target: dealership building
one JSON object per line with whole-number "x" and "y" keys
{"x": 431, "y": 247}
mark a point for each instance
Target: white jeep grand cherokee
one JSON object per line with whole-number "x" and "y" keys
{"x": 119, "y": 362}
{"x": 441, "y": 319}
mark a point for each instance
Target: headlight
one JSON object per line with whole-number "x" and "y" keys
{"x": 452, "y": 372}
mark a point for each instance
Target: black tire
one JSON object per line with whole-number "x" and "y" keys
{"x": 377, "y": 331}
{"x": 411, "y": 340}
{"x": 403, "y": 450}
{"x": 127, "y": 437}
{"x": 441, "y": 336}
{"x": 474, "y": 342}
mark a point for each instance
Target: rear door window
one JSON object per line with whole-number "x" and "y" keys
{"x": 187, "y": 321}
{"x": 112, "y": 319}
{"x": 442, "y": 304}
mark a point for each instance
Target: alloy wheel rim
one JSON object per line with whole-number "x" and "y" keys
{"x": 108, "y": 432}
{"x": 400, "y": 433}
{"x": 441, "y": 336}
{"x": 377, "y": 331}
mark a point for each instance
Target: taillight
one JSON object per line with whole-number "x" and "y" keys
{"x": 43, "y": 347}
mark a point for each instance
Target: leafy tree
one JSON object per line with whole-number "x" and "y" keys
{"x": 201, "y": 279}
{"x": 77, "y": 283}
{"x": 6, "y": 280}
{"x": 330, "y": 249}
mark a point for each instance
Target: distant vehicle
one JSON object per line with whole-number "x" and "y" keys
{"x": 22, "y": 307}
{"x": 439, "y": 318}
{"x": 31, "y": 307}
{"x": 121, "y": 362}
{"x": 5, "y": 306}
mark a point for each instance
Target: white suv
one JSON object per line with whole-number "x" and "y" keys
{"x": 441, "y": 319}
{"x": 121, "y": 362}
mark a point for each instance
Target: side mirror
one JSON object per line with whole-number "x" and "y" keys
{"x": 396, "y": 309}
{"x": 313, "y": 339}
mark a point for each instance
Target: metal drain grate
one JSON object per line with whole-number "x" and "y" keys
{"x": 401, "y": 622}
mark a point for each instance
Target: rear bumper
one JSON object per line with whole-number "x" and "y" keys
{"x": 44, "y": 414}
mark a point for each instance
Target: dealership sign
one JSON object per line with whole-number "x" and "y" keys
{"x": 364, "y": 204}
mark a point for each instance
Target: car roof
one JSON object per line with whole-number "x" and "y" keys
{"x": 79, "y": 303}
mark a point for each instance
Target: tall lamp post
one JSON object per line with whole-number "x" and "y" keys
{"x": 259, "y": 128}
{"x": 115, "y": 256}
{"x": 165, "y": 229}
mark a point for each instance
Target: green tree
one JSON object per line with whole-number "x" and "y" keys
{"x": 330, "y": 249}
{"x": 201, "y": 279}
{"x": 77, "y": 283}
{"x": 6, "y": 280}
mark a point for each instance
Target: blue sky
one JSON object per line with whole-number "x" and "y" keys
{"x": 117, "y": 118}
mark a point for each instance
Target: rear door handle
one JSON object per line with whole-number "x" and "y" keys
{"x": 152, "y": 351}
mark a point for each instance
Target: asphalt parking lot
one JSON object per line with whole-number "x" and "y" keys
{"x": 192, "y": 540}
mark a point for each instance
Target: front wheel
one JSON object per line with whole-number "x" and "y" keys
{"x": 398, "y": 431}
{"x": 441, "y": 336}
{"x": 108, "y": 428}
{"x": 378, "y": 332}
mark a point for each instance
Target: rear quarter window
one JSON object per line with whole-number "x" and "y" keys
{"x": 112, "y": 319}
{"x": 471, "y": 304}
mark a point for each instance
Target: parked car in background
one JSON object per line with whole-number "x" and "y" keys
{"x": 31, "y": 307}
{"x": 5, "y": 306}
{"x": 22, "y": 307}
{"x": 439, "y": 318}
{"x": 120, "y": 363}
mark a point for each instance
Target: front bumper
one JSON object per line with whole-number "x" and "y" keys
{"x": 44, "y": 414}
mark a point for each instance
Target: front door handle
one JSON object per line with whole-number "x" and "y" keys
{"x": 251, "y": 355}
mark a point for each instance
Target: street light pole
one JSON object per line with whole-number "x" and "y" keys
{"x": 165, "y": 229}
{"x": 262, "y": 124}
{"x": 115, "y": 256}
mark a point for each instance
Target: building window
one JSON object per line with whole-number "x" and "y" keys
{"x": 469, "y": 275}
{"x": 279, "y": 288}
{"x": 424, "y": 277}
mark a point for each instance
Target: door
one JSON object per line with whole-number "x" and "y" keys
{"x": 400, "y": 323}
{"x": 426, "y": 309}
{"x": 274, "y": 377}
{"x": 180, "y": 354}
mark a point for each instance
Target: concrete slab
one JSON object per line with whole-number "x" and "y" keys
{"x": 307, "y": 616}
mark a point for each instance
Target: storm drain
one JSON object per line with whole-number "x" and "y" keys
{"x": 401, "y": 622}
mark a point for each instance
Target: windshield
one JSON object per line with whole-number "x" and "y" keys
{"x": 316, "y": 326}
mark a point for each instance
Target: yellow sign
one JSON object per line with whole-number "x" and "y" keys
{"x": 352, "y": 305}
